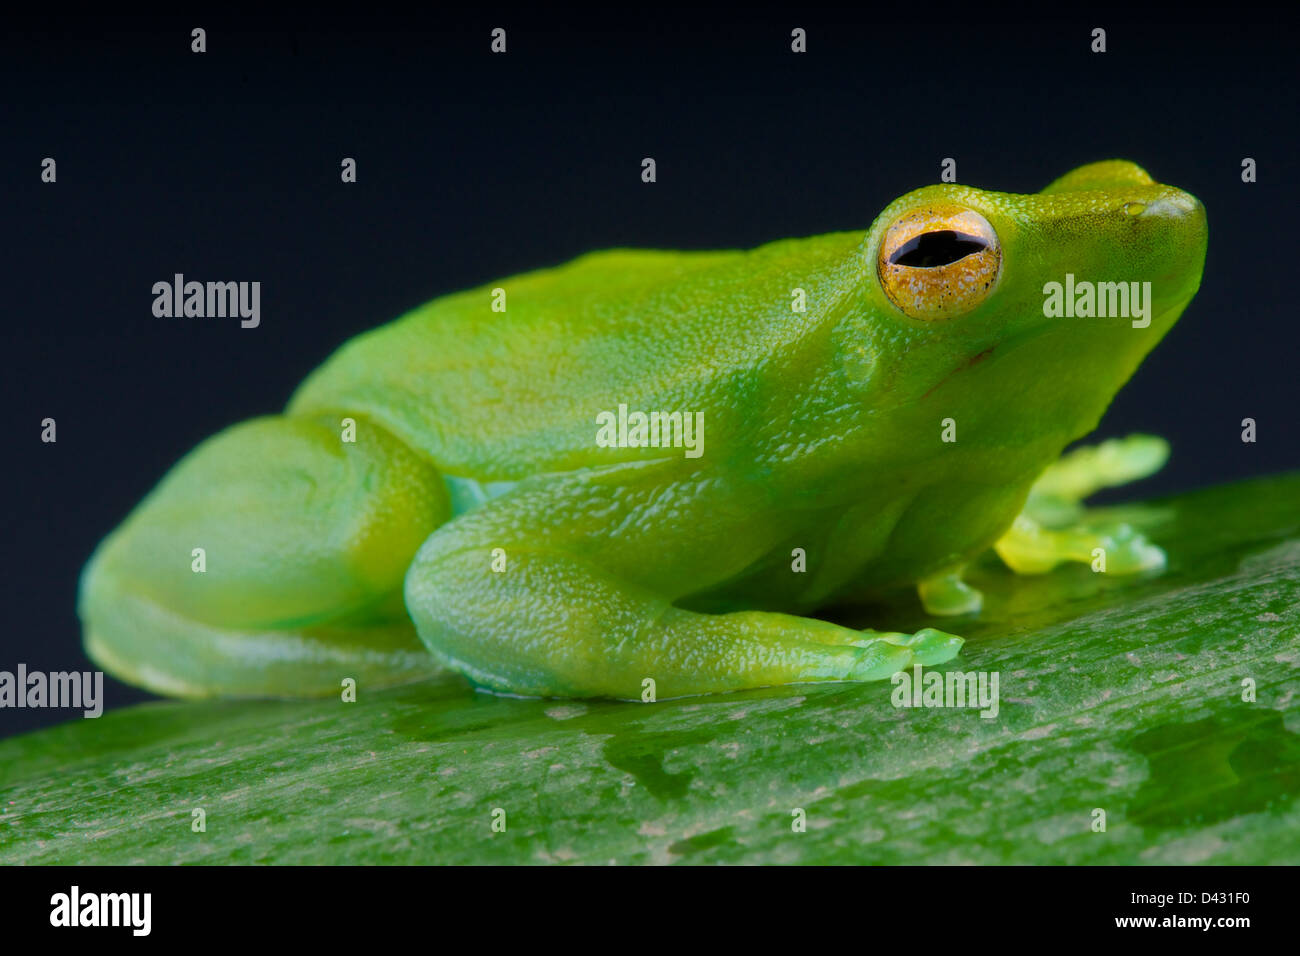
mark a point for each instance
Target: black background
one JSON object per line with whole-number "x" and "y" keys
{"x": 1076, "y": 904}
{"x": 474, "y": 166}
{"x": 1064, "y": 903}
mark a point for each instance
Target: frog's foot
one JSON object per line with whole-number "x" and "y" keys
{"x": 882, "y": 654}
{"x": 1055, "y": 499}
{"x": 1054, "y": 527}
{"x": 1030, "y": 548}
{"x": 928, "y": 646}
{"x": 945, "y": 594}
{"x": 553, "y": 615}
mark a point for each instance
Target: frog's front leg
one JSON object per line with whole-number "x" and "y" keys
{"x": 1053, "y": 527}
{"x": 536, "y": 593}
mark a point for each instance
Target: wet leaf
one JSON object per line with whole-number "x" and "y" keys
{"x": 1115, "y": 695}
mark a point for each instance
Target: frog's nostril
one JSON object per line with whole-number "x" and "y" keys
{"x": 1172, "y": 204}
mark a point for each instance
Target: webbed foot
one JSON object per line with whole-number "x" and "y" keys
{"x": 1054, "y": 526}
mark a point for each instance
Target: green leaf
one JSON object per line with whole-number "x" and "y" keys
{"x": 1116, "y": 694}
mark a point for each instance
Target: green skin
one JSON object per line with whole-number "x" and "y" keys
{"x": 474, "y": 523}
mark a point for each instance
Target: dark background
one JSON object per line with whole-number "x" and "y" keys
{"x": 473, "y": 166}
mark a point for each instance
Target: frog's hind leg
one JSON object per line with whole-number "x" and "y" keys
{"x": 1054, "y": 528}
{"x": 269, "y": 561}
{"x": 534, "y": 594}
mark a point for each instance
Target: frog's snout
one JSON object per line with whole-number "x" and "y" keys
{"x": 1170, "y": 204}
{"x": 1169, "y": 226}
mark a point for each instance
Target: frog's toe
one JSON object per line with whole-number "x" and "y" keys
{"x": 947, "y": 595}
{"x": 1128, "y": 552}
{"x": 1088, "y": 469}
{"x": 929, "y": 645}
{"x": 883, "y": 654}
{"x": 1029, "y": 548}
{"x": 878, "y": 660}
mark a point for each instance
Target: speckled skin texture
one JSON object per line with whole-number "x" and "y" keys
{"x": 476, "y": 500}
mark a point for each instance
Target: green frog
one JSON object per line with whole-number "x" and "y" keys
{"x": 650, "y": 469}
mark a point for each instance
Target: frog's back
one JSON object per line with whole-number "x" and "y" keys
{"x": 501, "y": 395}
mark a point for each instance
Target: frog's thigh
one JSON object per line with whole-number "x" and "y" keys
{"x": 269, "y": 561}
{"x": 530, "y": 613}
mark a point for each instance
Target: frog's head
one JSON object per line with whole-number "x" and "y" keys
{"x": 1031, "y": 310}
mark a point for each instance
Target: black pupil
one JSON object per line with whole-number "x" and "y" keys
{"x": 931, "y": 249}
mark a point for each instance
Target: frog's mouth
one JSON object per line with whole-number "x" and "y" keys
{"x": 964, "y": 366}
{"x": 1161, "y": 321}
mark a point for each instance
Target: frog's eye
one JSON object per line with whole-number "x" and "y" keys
{"x": 939, "y": 261}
